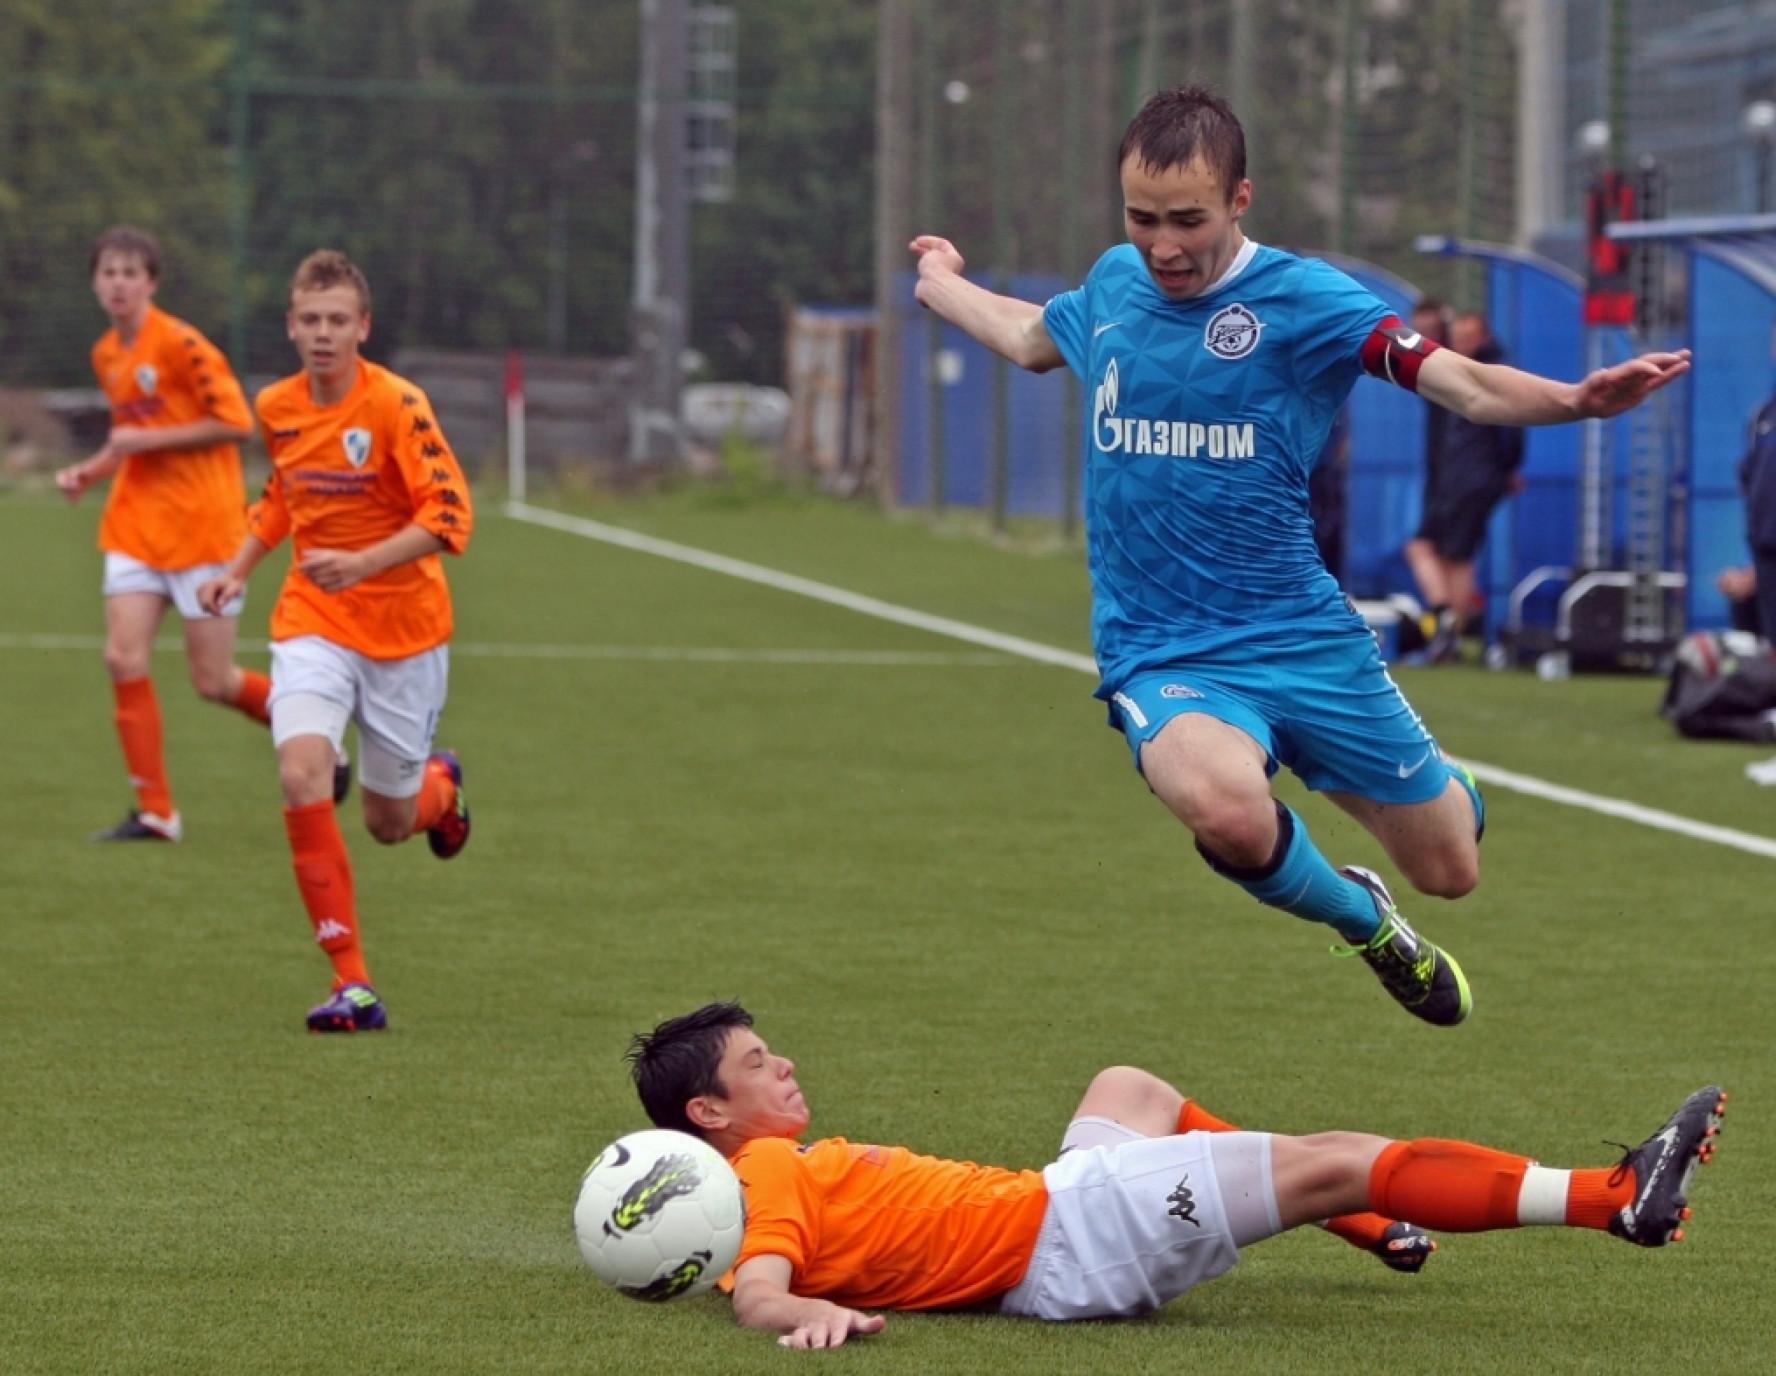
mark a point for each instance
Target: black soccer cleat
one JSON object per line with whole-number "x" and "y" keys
{"x": 1405, "y": 1247}
{"x": 1424, "y": 980}
{"x": 1662, "y": 1166}
{"x": 143, "y": 826}
{"x": 342, "y": 778}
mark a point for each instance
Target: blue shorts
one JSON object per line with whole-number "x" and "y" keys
{"x": 1325, "y": 707}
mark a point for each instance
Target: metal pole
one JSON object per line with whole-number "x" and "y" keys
{"x": 1541, "y": 47}
{"x": 931, "y": 210}
{"x": 894, "y": 189}
{"x": 1468, "y": 196}
{"x": 1241, "y": 49}
{"x": 1147, "y": 72}
{"x": 1344, "y": 235}
{"x": 1004, "y": 236}
{"x": 1619, "y": 40}
{"x": 659, "y": 305}
{"x": 241, "y": 187}
{"x": 1072, "y": 235}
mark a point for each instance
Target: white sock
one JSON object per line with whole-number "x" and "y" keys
{"x": 1542, "y": 1198}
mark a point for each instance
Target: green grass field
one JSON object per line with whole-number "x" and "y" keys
{"x": 934, "y": 878}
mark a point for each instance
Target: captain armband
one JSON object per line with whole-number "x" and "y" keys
{"x": 1394, "y": 352}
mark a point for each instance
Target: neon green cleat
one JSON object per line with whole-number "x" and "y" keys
{"x": 1425, "y": 981}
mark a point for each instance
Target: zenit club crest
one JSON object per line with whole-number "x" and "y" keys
{"x": 147, "y": 378}
{"x": 357, "y": 446}
{"x": 1232, "y": 332}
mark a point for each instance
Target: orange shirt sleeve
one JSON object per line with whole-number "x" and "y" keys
{"x": 203, "y": 372}
{"x": 782, "y": 1203}
{"x": 434, "y": 479}
{"x": 268, "y": 519}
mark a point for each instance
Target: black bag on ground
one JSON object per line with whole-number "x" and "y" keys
{"x": 1722, "y": 687}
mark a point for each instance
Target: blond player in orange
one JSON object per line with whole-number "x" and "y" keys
{"x": 1149, "y": 1196}
{"x": 370, "y": 494}
{"x": 175, "y": 512}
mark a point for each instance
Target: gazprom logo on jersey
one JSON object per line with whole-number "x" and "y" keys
{"x": 1180, "y": 439}
{"x": 357, "y": 446}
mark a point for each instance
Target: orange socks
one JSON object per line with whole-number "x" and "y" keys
{"x": 437, "y": 795}
{"x": 323, "y": 874}
{"x": 1195, "y": 1118}
{"x": 137, "y": 716}
{"x": 254, "y": 690}
{"x": 1460, "y": 1188}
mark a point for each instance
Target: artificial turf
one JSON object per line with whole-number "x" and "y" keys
{"x": 941, "y": 889}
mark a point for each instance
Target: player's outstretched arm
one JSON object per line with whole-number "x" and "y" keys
{"x": 1494, "y": 394}
{"x": 197, "y": 434}
{"x": 1009, "y": 327}
{"x": 762, "y": 1299}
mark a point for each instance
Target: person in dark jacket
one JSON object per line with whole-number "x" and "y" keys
{"x": 1756, "y": 582}
{"x": 1469, "y": 469}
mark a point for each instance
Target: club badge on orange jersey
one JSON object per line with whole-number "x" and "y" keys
{"x": 147, "y": 378}
{"x": 357, "y": 446}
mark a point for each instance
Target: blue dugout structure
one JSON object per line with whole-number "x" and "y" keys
{"x": 1042, "y": 418}
{"x": 1729, "y": 318}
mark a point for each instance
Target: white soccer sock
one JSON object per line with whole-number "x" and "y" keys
{"x": 1541, "y": 1200}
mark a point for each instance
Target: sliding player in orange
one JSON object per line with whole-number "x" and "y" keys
{"x": 370, "y": 494}
{"x": 1148, "y": 1196}
{"x": 175, "y": 512}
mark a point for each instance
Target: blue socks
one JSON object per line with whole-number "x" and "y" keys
{"x": 1299, "y": 880}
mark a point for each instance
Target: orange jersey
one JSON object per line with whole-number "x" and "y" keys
{"x": 346, "y": 477}
{"x": 172, "y": 508}
{"x": 882, "y": 1228}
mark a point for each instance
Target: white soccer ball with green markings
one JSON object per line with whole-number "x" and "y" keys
{"x": 660, "y": 1215}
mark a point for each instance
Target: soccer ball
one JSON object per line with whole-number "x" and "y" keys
{"x": 660, "y": 1214}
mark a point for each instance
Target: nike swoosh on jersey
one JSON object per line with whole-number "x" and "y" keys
{"x": 1111, "y": 325}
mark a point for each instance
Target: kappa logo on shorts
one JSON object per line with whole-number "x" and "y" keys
{"x": 1232, "y": 332}
{"x": 357, "y": 446}
{"x": 408, "y": 768}
{"x": 1183, "y": 1203}
{"x": 147, "y": 378}
{"x": 1179, "y": 690}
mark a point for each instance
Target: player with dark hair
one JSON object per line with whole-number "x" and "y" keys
{"x": 365, "y": 485}
{"x": 1213, "y": 369}
{"x": 176, "y": 510}
{"x": 1149, "y": 1196}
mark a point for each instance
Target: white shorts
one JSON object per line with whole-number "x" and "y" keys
{"x": 179, "y": 586}
{"x": 317, "y": 687}
{"x": 1133, "y": 1222}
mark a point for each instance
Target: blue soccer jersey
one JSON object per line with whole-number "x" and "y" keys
{"x": 1205, "y": 419}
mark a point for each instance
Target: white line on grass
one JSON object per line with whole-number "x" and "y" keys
{"x": 805, "y": 587}
{"x": 1049, "y": 654}
{"x": 650, "y": 653}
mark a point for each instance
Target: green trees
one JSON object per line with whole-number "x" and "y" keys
{"x": 108, "y": 113}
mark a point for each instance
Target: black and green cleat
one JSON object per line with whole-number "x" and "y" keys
{"x": 1424, "y": 980}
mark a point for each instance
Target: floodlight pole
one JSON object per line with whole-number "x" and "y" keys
{"x": 660, "y": 302}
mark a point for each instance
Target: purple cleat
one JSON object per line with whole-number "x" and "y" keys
{"x": 452, "y": 832}
{"x": 350, "y": 1008}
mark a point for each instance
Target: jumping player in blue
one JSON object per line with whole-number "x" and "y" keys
{"x": 1213, "y": 368}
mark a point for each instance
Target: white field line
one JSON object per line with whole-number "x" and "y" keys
{"x": 1048, "y": 654}
{"x": 656, "y": 653}
{"x": 804, "y": 587}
